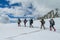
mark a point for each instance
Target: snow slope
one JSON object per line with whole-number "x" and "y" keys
{"x": 11, "y": 31}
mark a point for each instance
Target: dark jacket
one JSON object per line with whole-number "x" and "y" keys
{"x": 52, "y": 22}
{"x": 31, "y": 21}
{"x": 42, "y": 21}
{"x": 25, "y": 21}
{"x": 19, "y": 21}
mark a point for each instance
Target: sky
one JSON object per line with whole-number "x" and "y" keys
{"x": 41, "y": 6}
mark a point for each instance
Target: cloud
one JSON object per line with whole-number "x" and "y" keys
{"x": 41, "y": 6}
{"x": 50, "y": 3}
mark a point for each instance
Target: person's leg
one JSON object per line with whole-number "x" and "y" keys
{"x": 25, "y": 24}
{"x": 54, "y": 28}
{"x": 30, "y": 24}
{"x": 43, "y": 26}
{"x": 18, "y": 24}
{"x": 50, "y": 27}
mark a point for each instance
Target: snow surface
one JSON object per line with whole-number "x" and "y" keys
{"x": 11, "y": 31}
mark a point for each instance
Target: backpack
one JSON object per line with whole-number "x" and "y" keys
{"x": 43, "y": 22}
{"x": 52, "y": 22}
